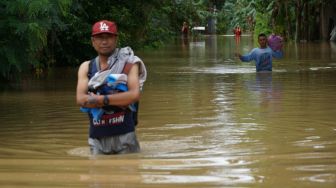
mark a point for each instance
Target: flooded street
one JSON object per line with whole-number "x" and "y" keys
{"x": 205, "y": 120}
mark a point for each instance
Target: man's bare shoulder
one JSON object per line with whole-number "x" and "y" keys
{"x": 84, "y": 68}
{"x": 84, "y": 64}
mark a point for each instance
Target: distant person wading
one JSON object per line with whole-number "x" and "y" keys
{"x": 262, "y": 55}
{"x": 185, "y": 29}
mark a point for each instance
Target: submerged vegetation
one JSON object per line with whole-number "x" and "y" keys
{"x": 36, "y": 35}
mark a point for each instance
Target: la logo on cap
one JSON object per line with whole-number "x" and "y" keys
{"x": 103, "y": 26}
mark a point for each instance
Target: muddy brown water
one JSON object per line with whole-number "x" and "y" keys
{"x": 206, "y": 120}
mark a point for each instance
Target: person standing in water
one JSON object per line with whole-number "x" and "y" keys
{"x": 262, "y": 55}
{"x": 113, "y": 132}
{"x": 185, "y": 30}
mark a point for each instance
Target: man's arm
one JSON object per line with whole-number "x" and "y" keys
{"x": 237, "y": 54}
{"x": 83, "y": 98}
{"x": 247, "y": 57}
{"x": 90, "y": 100}
{"x": 133, "y": 93}
{"x": 277, "y": 54}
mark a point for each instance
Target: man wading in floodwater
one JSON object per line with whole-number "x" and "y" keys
{"x": 112, "y": 113}
{"x": 262, "y": 55}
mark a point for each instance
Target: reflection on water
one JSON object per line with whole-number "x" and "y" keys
{"x": 265, "y": 91}
{"x": 206, "y": 120}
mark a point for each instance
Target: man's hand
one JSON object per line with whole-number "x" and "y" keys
{"x": 238, "y": 55}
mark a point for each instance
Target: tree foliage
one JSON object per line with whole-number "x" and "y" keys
{"x": 37, "y": 34}
{"x": 24, "y": 31}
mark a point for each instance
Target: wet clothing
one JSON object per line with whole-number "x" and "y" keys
{"x": 262, "y": 57}
{"x": 115, "y": 83}
{"x": 119, "y": 144}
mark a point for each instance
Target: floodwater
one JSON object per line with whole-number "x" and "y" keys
{"x": 206, "y": 120}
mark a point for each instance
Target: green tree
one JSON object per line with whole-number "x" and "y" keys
{"x": 141, "y": 24}
{"x": 239, "y": 13}
{"x": 24, "y": 30}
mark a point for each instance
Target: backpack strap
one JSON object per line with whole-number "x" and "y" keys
{"x": 127, "y": 68}
{"x": 93, "y": 67}
{"x": 89, "y": 74}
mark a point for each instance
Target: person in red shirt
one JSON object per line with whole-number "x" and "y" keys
{"x": 237, "y": 31}
{"x": 185, "y": 29}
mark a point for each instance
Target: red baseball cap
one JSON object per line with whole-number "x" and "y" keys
{"x": 104, "y": 26}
